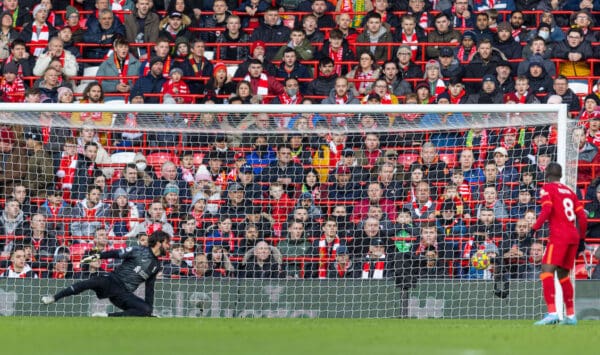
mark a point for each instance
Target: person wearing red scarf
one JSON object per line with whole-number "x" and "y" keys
{"x": 325, "y": 248}
{"x": 176, "y": 87}
{"x": 39, "y": 31}
{"x": 457, "y": 92}
{"x": 18, "y": 267}
{"x": 12, "y": 88}
{"x": 119, "y": 64}
{"x": 422, "y": 205}
{"x": 343, "y": 267}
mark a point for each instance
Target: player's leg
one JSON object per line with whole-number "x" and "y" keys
{"x": 96, "y": 283}
{"x": 547, "y": 278}
{"x": 564, "y": 278}
{"x": 132, "y": 306}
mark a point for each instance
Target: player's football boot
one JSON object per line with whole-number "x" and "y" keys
{"x": 569, "y": 321}
{"x": 48, "y": 299}
{"x": 100, "y": 314}
{"x": 549, "y": 319}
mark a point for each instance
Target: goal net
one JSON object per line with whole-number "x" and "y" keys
{"x": 283, "y": 211}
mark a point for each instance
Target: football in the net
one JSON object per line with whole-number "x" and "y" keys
{"x": 480, "y": 260}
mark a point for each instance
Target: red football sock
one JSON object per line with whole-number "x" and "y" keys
{"x": 549, "y": 291}
{"x": 568, "y": 292}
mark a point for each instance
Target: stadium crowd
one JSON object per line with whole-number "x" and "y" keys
{"x": 344, "y": 203}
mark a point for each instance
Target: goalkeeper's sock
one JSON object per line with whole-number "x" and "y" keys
{"x": 567, "y": 288}
{"x": 549, "y": 291}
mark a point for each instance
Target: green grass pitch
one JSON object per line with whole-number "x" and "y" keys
{"x": 108, "y": 336}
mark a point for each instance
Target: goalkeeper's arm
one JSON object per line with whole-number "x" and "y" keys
{"x": 111, "y": 254}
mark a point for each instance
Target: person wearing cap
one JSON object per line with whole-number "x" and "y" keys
{"x": 175, "y": 26}
{"x": 150, "y": 83}
{"x": 377, "y": 263}
{"x": 141, "y": 25}
{"x": 505, "y": 81}
{"x": 257, "y": 51}
{"x": 120, "y": 63}
{"x": 589, "y": 113}
{"x": 507, "y": 173}
{"x": 12, "y": 88}
{"x": 450, "y": 67}
{"x": 489, "y": 93}
{"x": 526, "y": 198}
{"x": 104, "y": 30}
{"x": 443, "y": 33}
{"x": 271, "y": 30}
{"x": 40, "y": 169}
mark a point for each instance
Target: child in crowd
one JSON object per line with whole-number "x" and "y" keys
{"x": 176, "y": 87}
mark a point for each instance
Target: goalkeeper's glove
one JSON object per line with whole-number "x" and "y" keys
{"x": 90, "y": 258}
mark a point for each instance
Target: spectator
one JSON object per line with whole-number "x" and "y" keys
{"x": 141, "y": 26}
{"x": 576, "y": 50}
{"x": 175, "y": 268}
{"x": 162, "y": 50}
{"x": 408, "y": 68}
{"x": 491, "y": 201}
{"x": 151, "y": 83}
{"x": 484, "y": 62}
{"x": 271, "y": 31}
{"x": 340, "y": 94}
{"x": 55, "y": 50}
{"x": 257, "y": 51}
{"x": 15, "y": 9}
{"x": 56, "y": 208}
{"x": 325, "y": 249}
{"x": 14, "y": 164}
{"x": 20, "y": 56}
{"x": 325, "y": 81}
{"x": 104, "y": 31}
{"x": 377, "y": 263}
{"x": 343, "y": 267}
{"x": 86, "y": 170}
{"x": 175, "y": 26}
{"x": 201, "y": 268}
{"x": 310, "y": 27}
{"x": 540, "y": 81}
{"x": 125, "y": 213}
{"x": 375, "y": 197}
{"x": 343, "y": 189}
{"x": 518, "y": 28}
{"x": 155, "y": 220}
{"x": 252, "y": 8}
{"x": 506, "y": 84}
{"x": 422, "y": 206}
{"x": 561, "y": 88}
{"x": 262, "y": 84}
{"x": 537, "y": 52}
{"x": 231, "y": 36}
{"x": 219, "y": 261}
{"x": 505, "y": 42}
{"x": 42, "y": 240}
{"x": 283, "y": 170}
{"x": 291, "y": 68}
{"x": 588, "y": 156}
{"x": 88, "y": 210}
{"x": 12, "y": 224}
{"x": 301, "y": 46}
{"x": 12, "y": 87}
{"x": 443, "y": 33}
{"x": 515, "y": 251}
{"x": 364, "y": 73}
{"x": 119, "y": 64}
{"x": 355, "y": 11}
{"x": 263, "y": 261}
{"x": 221, "y": 234}
{"x": 76, "y": 24}
{"x": 132, "y": 182}
{"x": 294, "y": 245}
{"x": 582, "y": 20}
{"x": 38, "y": 32}
{"x": 40, "y": 173}
{"x": 18, "y": 266}
{"x": 374, "y": 33}
{"x": 472, "y": 175}
{"x": 216, "y": 21}
{"x": 169, "y": 175}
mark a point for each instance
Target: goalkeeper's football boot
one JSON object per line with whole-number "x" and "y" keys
{"x": 48, "y": 299}
{"x": 549, "y": 319}
{"x": 569, "y": 321}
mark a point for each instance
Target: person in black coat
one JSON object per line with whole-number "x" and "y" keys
{"x": 261, "y": 263}
{"x": 85, "y": 172}
{"x": 104, "y": 31}
{"x": 325, "y": 81}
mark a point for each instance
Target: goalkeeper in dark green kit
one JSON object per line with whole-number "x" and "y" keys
{"x": 140, "y": 265}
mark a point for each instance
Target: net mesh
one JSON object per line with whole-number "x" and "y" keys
{"x": 339, "y": 212}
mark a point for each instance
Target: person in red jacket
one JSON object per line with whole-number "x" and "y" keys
{"x": 11, "y": 85}
{"x": 176, "y": 87}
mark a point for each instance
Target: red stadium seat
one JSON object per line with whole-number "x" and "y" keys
{"x": 198, "y": 158}
{"x": 449, "y": 159}
{"x": 156, "y": 160}
{"x": 407, "y": 158}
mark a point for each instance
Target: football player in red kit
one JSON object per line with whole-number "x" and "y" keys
{"x": 568, "y": 223}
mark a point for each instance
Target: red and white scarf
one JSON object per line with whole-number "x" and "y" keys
{"x": 19, "y": 66}
{"x": 420, "y": 211}
{"x": 263, "y": 84}
{"x": 325, "y": 255}
{"x": 411, "y": 40}
{"x": 118, "y": 6}
{"x": 363, "y": 79}
{"x": 11, "y": 273}
{"x": 39, "y": 41}
{"x": 286, "y": 99}
{"x": 122, "y": 70}
{"x": 337, "y": 56}
{"x": 378, "y": 268}
{"x": 461, "y": 54}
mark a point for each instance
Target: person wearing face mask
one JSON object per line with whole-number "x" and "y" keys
{"x": 141, "y": 164}
{"x": 291, "y": 94}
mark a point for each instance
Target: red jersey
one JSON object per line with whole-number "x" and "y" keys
{"x": 562, "y": 208}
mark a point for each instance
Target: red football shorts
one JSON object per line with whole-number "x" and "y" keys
{"x": 562, "y": 255}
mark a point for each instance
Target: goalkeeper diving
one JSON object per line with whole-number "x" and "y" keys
{"x": 140, "y": 265}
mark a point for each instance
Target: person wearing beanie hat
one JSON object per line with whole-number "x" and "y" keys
{"x": 38, "y": 40}
{"x": 505, "y": 42}
{"x": 65, "y": 95}
{"x": 539, "y": 80}
{"x": 176, "y": 87}
{"x": 151, "y": 83}
{"x": 433, "y": 76}
{"x": 12, "y": 86}
{"x": 171, "y": 188}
